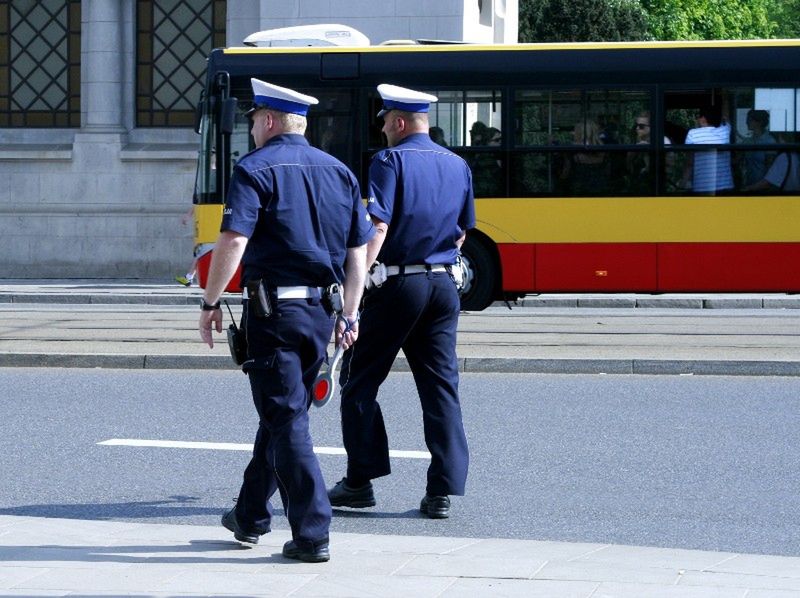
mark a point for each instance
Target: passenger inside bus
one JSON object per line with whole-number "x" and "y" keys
{"x": 332, "y": 142}
{"x": 609, "y": 132}
{"x": 638, "y": 163}
{"x": 487, "y": 168}
{"x": 478, "y": 133}
{"x": 437, "y": 135}
{"x": 709, "y": 171}
{"x": 783, "y": 175}
{"x": 757, "y": 161}
{"x": 586, "y": 173}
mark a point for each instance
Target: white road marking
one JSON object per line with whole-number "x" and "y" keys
{"x": 232, "y": 446}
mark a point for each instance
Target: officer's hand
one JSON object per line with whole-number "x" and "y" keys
{"x": 207, "y": 318}
{"x": 346, "y": 330}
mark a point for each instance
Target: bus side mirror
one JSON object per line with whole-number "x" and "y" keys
{"x": 228, "y": 116}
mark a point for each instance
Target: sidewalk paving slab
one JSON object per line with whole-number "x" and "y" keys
{"x": 575, "y": 340}
{"x": 50, "y": 557}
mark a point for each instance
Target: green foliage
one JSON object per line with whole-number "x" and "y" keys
{"x": 581, "y": 20}
{"x": 612, "y": 20}
{"x": 786, "y": 16}
{"x": 710, "y": 19}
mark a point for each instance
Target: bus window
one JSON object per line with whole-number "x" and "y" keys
{"x": 570, "y": 142}
{"x": 465, "y": 116}
{"x": 456, "y": 117}
{"x": 469, "y": 122}
{"x": 764, "y": 121}
{"x": 741, "y": 131}
{"x": 207, "y": 180}
{"x": 331, "y": 126}
{"x": 205, "y": 188}
{"x": 241, "y": 140}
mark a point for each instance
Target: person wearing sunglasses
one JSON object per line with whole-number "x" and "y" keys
{"x": 638, "y": 162}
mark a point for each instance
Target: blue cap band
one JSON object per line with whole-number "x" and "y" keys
{"x": 406, "y": 106}
{"x": 281, "y": 105}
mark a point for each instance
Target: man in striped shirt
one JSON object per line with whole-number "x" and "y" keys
{"x": 710, "y": 171}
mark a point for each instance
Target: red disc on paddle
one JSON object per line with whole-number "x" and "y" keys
{"x": 325, "y": 385}
{"x": 321, "y": 389}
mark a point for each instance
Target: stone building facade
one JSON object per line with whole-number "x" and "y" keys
{"x": 97, "y": 148}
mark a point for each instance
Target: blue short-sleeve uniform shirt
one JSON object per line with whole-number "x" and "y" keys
{"x": 423, "y": 192}
{"x": 300, "y": 208}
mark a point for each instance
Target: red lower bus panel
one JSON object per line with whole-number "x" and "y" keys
{"x": 203, "y": 264}
{"x": 518, "y": 261}
{"x": 731, "y": 267}
{"x": 604, "y": 267}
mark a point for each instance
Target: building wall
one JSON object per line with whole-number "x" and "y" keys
{"x": 487, "y": 21}
{"x": 106, "y": 200}
{"x": 94, "y": 208}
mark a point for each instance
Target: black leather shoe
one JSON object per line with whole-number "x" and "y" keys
{"x": 318, "y": 554}
{"x": 230, "y": 523}
{"x": 435, "y": 507}
{"x": 342, "y": 495}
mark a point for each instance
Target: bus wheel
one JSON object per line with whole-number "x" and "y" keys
{"x": 479, "y": 276}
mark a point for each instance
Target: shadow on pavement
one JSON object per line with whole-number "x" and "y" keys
{"x": 174, "y": 506}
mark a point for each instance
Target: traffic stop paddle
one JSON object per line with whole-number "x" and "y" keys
{"x": 324, "y": 386}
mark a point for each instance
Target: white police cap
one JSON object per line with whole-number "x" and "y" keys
{"x": 399, "y": 98}
{"x": 283, "y": 99}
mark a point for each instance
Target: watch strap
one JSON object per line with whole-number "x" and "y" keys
{"x": 205, "y": 306}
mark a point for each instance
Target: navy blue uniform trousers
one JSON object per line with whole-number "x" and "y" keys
{"x": 286, "y": 351}
{"x": 417, "y": 313}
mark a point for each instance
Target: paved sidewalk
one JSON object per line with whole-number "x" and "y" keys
{"x": 59, "y": 557}
{"x": 134, "y": 324}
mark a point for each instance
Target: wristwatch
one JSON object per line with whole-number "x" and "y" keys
{"x": 208, "y": 306}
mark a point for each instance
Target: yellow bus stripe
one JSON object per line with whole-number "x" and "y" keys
{"x": 640, "y": 219}
{"x": 467, "y": 47}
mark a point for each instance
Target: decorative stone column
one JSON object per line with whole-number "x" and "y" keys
{"x": 102, "y": 73}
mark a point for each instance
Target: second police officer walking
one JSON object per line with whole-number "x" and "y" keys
{"x": 294, "y": 218}
{"x": 421, "y": 202}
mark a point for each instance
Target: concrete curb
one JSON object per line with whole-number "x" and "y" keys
{"x": 498, "y": 365}
{"x": 654, "y": 301}
{"x": 89, "y": 299}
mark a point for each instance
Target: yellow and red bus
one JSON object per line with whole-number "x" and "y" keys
{"x": 573, "y": 192}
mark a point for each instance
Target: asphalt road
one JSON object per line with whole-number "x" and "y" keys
{"x": 673, "y": 461}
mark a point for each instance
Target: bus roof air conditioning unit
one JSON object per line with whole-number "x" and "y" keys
{"x": 308, "y": 35}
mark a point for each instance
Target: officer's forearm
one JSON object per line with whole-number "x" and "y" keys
{"x": 355, "y": 271}
{"x": 376, "y": 242}
{"x": 461, "y": 240}
{"x": 227, "y": 254}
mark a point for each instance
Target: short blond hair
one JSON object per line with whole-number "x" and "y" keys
{"x": 416, "y": 119}
{"x": 291, "y": 123}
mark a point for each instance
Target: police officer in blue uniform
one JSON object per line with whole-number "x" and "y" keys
{"x": 295, "y": 220}
{"x": 420, "y": 199}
